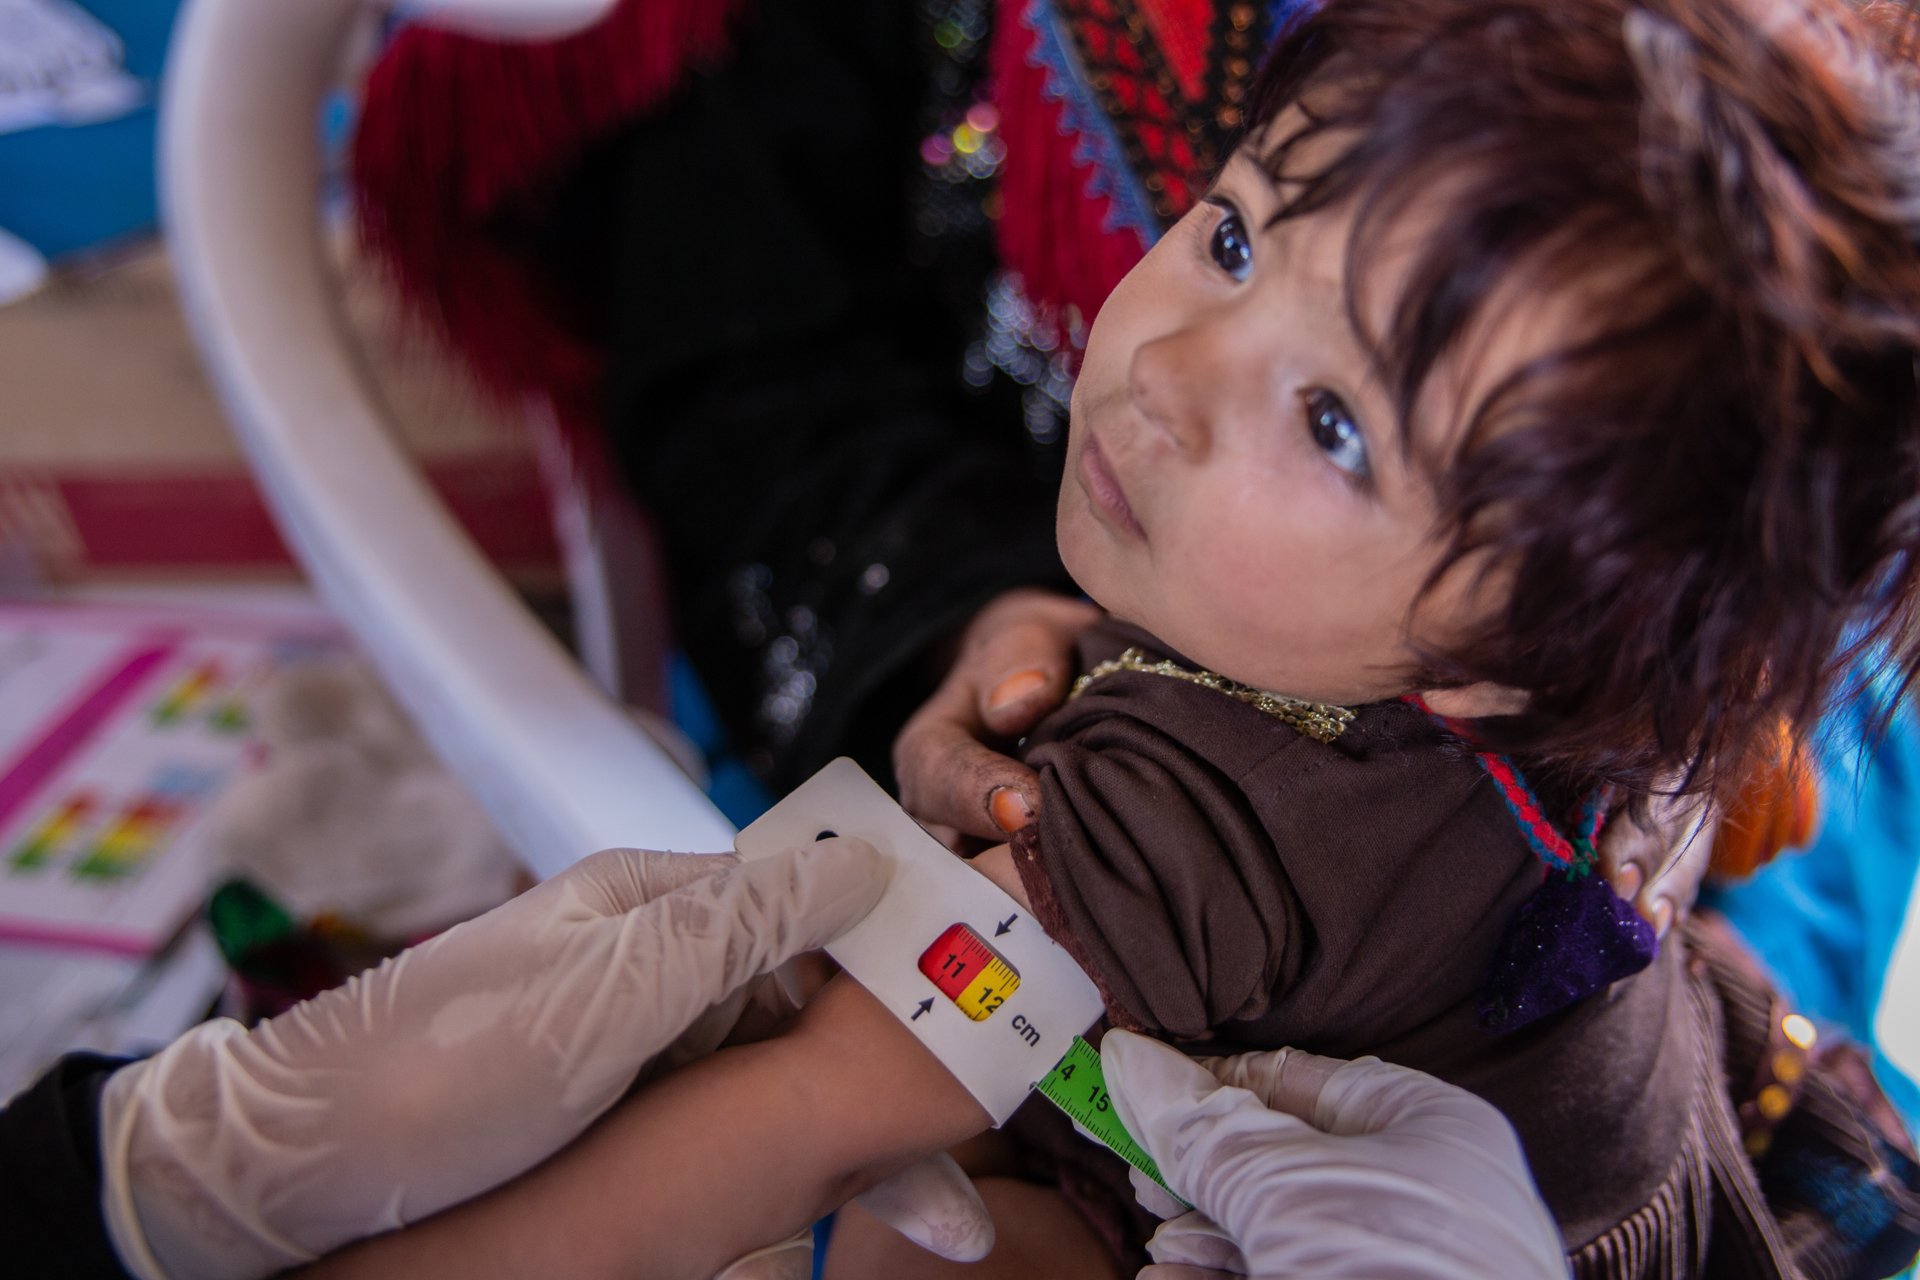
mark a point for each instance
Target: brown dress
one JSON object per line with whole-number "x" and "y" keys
{"x": 1240, "y": 877}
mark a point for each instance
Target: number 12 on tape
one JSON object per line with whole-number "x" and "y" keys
{"x": 966, "y": 969}
{"x": 969, "y": 972}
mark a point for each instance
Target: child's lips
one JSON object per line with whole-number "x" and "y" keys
{"x": 1103, "y": 490}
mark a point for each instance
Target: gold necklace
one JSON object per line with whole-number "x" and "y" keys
{"x": 1321, "y": 721}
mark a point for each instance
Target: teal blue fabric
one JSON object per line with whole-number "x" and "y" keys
{"x": 1826, "y": 919}
{"x": 64, "y": 190}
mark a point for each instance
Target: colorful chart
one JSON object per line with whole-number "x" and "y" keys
{"x": 186, "y": 694}
{"x": 143, "y": 825}
{"x": 118, "y": 730}
{"x": 58, "y": 832}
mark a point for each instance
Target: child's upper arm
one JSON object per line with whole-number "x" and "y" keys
{"x": 1207, "y": 864}
{"x": 1152, "y": 870}
{"x": 996, "y": 864}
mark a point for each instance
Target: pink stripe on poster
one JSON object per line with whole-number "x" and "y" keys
{"x": 39, "y": 933}
{"x": 59, "y": 743}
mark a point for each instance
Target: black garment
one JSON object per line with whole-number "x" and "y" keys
{"x": 786, "y": 396}
{"x": 51, "y": 1224}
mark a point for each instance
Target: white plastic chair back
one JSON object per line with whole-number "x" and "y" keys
{"x": 560, "y": 769}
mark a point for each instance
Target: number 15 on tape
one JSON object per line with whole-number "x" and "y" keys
{"x": 1078, "y": 1087}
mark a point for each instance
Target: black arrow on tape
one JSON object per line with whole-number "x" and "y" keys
{"x": 925, "y": 1005}
{"x": 1005, "y": 925}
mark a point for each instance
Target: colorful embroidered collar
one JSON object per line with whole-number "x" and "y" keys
{"x": 1575, "y": 856}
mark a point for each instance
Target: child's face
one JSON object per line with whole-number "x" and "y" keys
{"x": 1235, "y": 478}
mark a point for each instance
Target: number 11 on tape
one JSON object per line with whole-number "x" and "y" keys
{"x": 1078, "y": 1087}
{"x": 969, "y": 972}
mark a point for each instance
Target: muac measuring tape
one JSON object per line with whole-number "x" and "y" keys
{"x": 957, "y": 961}
{"x": 1078, "y": 1087}
{"x": 969, "y": 972}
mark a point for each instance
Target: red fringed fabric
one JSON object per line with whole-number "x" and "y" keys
{"x": 1052, "y": 231}
{"x": 457, "y": 134}
{"x": 457, "y": 131}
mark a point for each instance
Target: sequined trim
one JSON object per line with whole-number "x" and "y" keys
{"x": 1320, "y": 721}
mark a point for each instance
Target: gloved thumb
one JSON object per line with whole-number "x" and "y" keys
{"x": 1181, "y": 1114}
{"x": 1157, "y": 1090}
{"x": 934, "y": 1204}
{"x": 693, "y": 947}
{"x": 614, "y": 881}
{"x": 1148, "y": 1081}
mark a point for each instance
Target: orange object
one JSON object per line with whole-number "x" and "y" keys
{"x": 1778, "y": 807}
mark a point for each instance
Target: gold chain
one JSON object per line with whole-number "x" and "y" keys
{"x": 1321, "y": 721}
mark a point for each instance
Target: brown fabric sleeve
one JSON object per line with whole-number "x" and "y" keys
{"x": 1150, "y": 867}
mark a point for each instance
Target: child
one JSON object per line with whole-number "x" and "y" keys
{"x": 1530, "y": 406}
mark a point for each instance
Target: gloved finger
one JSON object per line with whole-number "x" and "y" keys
{"x": 1180, "y": 1271}
{"x": 692, "y": 948}
{"x": 1454, "y": 1130}
{"x": 1153, "y": 1197}
{"x": 949, "y": 777}
{"x": 702, "y": 1036}
{"x": 606, "y": 884}
{"x": 755, "y": 1012}
{"x": 791, "y": 1259}
{"x": 934, "y": 1204}
{"x": 1372, "y": 1095}
{"x": 1161, "y": 1095}
{"x": 1288, "y": 1080}
{"x": 1155, "y": 1087}
{"x": 1195, "y": 1240}
{"x": 615, "y": 881}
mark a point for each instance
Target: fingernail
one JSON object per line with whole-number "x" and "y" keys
{"x": 1627, "y": 883}
{"x": 1008, "y": 809}
{"x": 1015, "y": 687}
{"x": 1662, "y": 917}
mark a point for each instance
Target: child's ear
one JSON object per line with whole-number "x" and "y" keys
{"x": 996, "y": 864}
{"x": 1470, "y": 701}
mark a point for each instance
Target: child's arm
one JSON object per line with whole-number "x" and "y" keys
{"x": 732, "y": 1153}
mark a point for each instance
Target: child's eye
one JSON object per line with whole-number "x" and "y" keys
{"x": 1335, "y": 433}
{"x": 1230, "y": 247}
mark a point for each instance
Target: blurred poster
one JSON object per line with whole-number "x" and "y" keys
{"x": 118, "y": 728}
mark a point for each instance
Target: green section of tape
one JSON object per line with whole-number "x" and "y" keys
{"x": 1078, "y": 1087}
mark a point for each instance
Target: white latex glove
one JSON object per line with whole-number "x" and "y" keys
{"x": 1299, "y": 1165}
{"x": 932, "y": 1203}
{"x": 452, "y": 1067}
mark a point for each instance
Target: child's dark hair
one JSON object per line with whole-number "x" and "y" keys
{"x": 1709, "y": 497}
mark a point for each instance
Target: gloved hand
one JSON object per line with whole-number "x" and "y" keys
{"x": 1299, "y": 1165}
{"x": 452, "y": 1067}
{"x": 932, "y": 1203}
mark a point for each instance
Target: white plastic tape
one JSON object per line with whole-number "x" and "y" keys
{"x": 962, "y": 965}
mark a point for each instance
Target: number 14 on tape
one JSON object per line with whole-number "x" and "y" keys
{"x": 1078, "y": 1087}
